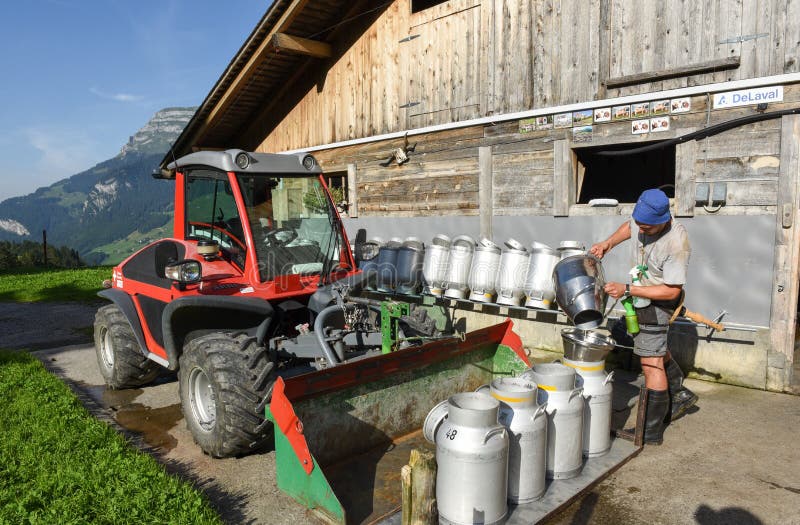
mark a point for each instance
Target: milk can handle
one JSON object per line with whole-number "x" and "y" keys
{"x": 577, "y": 391}
{"x": 482, "y": 389}
{"x": 609, "y": 377}
{"x": 492, "y": 432}
{"x": 539, "y": 411}
{"x": 587, "y": 288}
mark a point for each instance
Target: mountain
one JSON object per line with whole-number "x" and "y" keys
{"x": 103, "y": 206}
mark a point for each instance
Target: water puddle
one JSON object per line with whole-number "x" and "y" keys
{"x": 153, "y": 424}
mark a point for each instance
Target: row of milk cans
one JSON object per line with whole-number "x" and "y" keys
{"x": 462, "y": 268}
{"x": 500, "y": 444}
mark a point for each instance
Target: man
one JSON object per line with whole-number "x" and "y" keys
{"x": 662, "y": 256}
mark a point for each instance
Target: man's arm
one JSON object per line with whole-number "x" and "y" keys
{"x": 656, "y": 292}
{"x": 623, "y": 233}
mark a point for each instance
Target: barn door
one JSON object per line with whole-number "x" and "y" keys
{"x": 444, "y": 48}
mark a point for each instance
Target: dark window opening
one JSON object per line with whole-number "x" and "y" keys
{"x": 420, "y": 5}
{"x": 624, "y": 177}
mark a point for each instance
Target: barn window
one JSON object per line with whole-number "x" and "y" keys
{"x": 604, "y": 173}
{"x": 421, "y": 5}
{"x": 337, "y": 185}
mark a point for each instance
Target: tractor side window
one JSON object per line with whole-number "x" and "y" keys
{"x": 211, "y": 213}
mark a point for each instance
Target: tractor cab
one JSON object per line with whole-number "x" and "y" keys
{"x": 270, "y": 216}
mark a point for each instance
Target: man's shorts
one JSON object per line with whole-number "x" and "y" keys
{"x": 651, "y": 341}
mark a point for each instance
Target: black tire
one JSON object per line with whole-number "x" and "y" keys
{"x": 224, "y": 382}
{"x": 121, "y": 361}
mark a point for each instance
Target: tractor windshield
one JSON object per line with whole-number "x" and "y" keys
{"x": 292, "y": 221}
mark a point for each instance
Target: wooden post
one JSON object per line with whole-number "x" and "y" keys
{"x": 485, "y": 195}
{"x": 419, "y": 489}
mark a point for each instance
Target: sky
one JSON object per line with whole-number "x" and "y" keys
{"x": 79, "y": 77}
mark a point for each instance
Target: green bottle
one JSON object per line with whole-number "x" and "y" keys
{"x": 631, "y": 320}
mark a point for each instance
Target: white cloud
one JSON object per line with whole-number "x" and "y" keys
{"x": 119, "y": 97}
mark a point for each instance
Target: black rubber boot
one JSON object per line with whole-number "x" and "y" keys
{"x": 682, "y": 399}
{"x": 657, "y": 410}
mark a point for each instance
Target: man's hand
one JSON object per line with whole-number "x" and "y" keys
{"x": 600, "y": 249}
{"x": 615, "y": 290}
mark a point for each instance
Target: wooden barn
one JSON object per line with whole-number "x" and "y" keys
{"x": 506, "y": 118}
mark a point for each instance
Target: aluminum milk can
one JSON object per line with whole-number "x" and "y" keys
{"x": 556, "y": 388}
{"x": 526, "y": 422}
{"x": 598, "y": 391}
{"x": 570, "y": 248}
{"x": 369, "y": 260}
{"x": 434, "y": 269}
{"x": 483, "y": 272}
{"x": 461, "y": 251}
{"x": 387, "y": 265}
{"x": 410, "y": 258}
{"x": 511, "y": 275}
{"x": 539, "y": 289}
{"x": 472, "y": 460}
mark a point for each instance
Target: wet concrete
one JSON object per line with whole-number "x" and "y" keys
{"x": 243, "y": 490}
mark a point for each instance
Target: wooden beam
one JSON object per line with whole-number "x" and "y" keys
{"x": 563, "y": 178}
{"x": 282, "y": 42}
{"x": 685, "y": 158}
{"x": 711, "y": 66}
{"x": 485, "y": 195}
{"x": 247, "y": 70}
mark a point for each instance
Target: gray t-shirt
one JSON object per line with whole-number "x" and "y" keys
{"x": 666, "y": 254}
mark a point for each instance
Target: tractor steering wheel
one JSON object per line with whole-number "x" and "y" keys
{"x": 281, "y": 236}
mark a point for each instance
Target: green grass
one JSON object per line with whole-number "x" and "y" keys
{"x": 60, "y": 465}
{"x": 42, "y": 284}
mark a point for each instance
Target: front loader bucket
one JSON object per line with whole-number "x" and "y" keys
{"x": 342, "y": 434}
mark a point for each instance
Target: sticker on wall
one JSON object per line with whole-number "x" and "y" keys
{"x": 621, "y": 113}
{"x": 582, "y": 134}
{"x": 640, "y": 126}
{"x": 582, "y": 117}
{"x": 602, "y": 114}
{"x": 544, "y": 122}
{"x": 563, "y": 120}
{"x": 527, "y": 125}
{"x": 640, "y": 110}
{"x": 680, "y": 105}
{"x": 659, "y": 124}
{"x": 659, "y": 107}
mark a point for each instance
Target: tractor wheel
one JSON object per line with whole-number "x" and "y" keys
{"x": 121, "y": 361}
{"x": 224, "y": 379}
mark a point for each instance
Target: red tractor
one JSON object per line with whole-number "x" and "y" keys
{"x": 257, "y": 281}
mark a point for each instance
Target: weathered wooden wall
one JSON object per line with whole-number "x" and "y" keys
{"x": 470, "y": 58}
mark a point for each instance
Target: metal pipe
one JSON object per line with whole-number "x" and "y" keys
{"x": 318, "y": 331}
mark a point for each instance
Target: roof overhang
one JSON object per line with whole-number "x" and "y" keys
{"x": 292, "y": 36}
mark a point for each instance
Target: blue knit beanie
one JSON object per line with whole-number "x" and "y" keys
{"x": 652, "y": 208}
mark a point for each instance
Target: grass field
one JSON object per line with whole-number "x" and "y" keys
{"x": 53, "y": 284}
{"x": 58, "y": 464}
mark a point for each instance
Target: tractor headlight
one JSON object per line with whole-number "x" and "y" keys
{"x": 242, "y": 160}
{"x": 309, "y": 162}
{"x": 186, "y": 271}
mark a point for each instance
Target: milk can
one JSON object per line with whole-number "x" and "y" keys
{"x": 580, "y": 290}
{"x": 387, "y": 265}
{"x": 511, "y": 275}
{"x": 586, "y": 351}
{"x": 539, "y": 289}
{"x": 410, "y": 258}
{"x": 564, "y": 401}
{"x": 597, "y": 395}
{"x": 570, "y": 248}
{"x": 458, "y": 266}
{"x": 471, "y": 458}
{"x": 483, "y": 272}
{"x": 369, "y": 260}
{"x": 526, "y": 422}
{"x": 434, "y": 269}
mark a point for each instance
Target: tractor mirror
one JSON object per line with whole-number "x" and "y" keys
{"x": 185, "y": 271}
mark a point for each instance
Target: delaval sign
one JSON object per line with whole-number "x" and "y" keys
{"x": 746, "y": 97}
